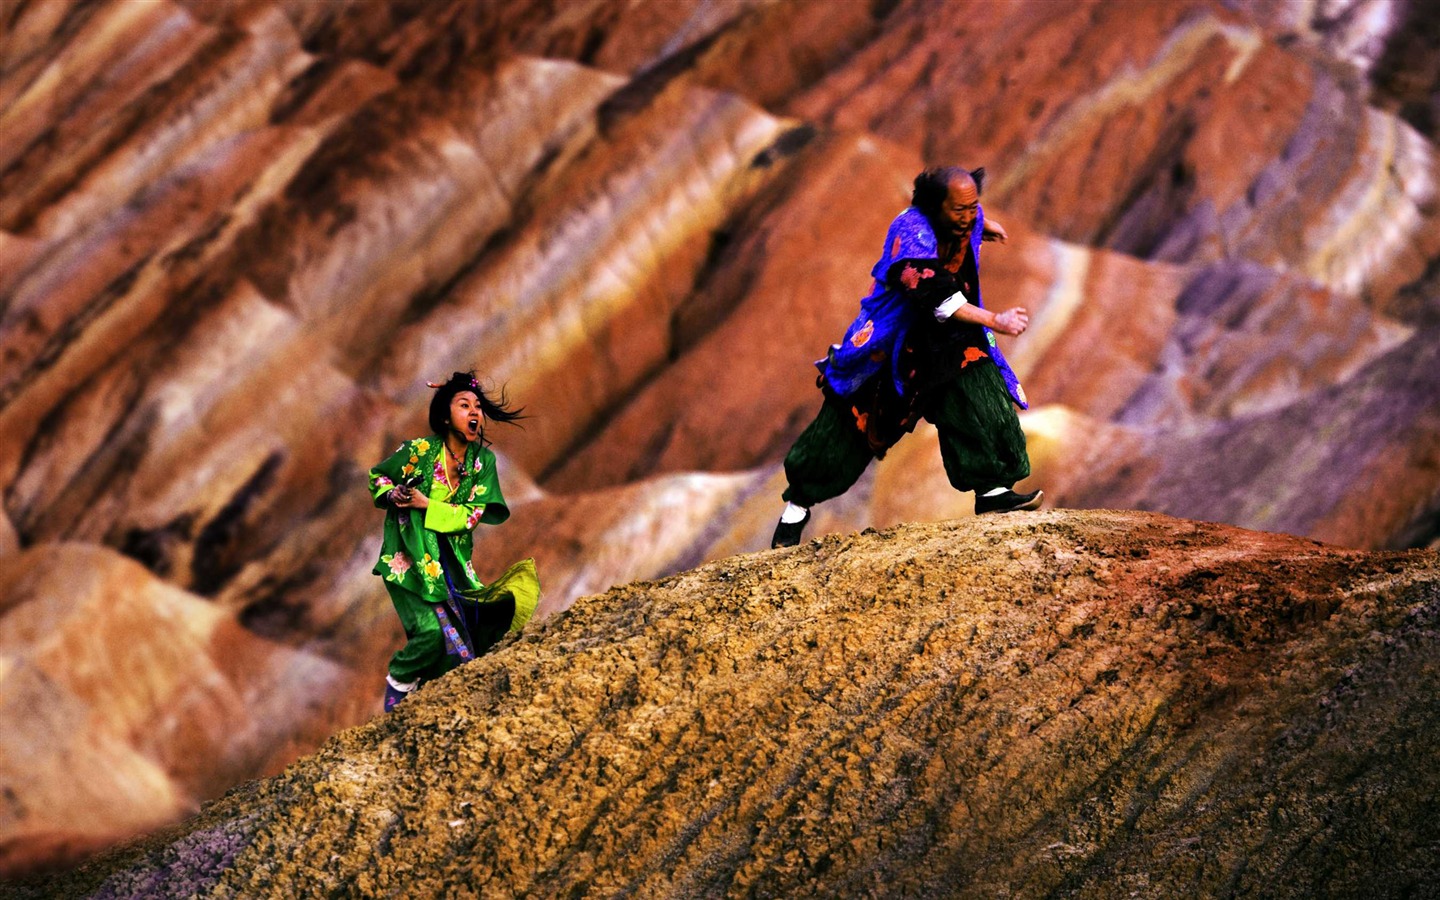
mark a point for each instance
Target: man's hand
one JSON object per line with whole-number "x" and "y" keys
{"x": 994, "y": 231}
{"x": 1012, "y": 321}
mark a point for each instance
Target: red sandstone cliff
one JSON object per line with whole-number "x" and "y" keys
{"x": 236, "y": 236}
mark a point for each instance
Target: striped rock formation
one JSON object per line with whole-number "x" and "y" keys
{"x": 237, "y": 236}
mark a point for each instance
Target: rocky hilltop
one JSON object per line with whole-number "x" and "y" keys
{"x": 238, "y": 236}
{"x": 1097, "y": 704}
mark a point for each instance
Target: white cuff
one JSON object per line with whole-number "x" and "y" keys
{"x": 793, "y": 514}
{"x": 952, "y": 303}
{"x": 400, "y": 685}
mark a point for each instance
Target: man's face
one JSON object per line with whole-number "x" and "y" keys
{"x": 962, "y": 203}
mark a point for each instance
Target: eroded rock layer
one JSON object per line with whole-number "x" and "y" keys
{"x": 1072, "y": 704}
{"x": 237, "y": 237}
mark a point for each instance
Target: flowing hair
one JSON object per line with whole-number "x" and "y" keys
{"x": 494, "y": 407}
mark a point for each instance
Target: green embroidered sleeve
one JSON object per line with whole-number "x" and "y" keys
{"x": 401, "y": 465}
{"x": 487, "y": 490}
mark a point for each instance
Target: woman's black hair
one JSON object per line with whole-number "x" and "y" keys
{"x": 933, "y": 184}
{"x": 497, "y": 409}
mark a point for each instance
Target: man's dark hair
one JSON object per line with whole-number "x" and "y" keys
{"x": 497, "y": 409}
{"x": 933, "y": 184}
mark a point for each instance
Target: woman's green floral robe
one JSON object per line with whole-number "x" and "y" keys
{"x": 417, "y": 545}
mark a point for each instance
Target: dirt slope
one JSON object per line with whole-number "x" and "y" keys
{"x": 1096, "y": 704}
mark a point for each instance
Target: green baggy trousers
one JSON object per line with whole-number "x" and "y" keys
{"x": 423, "y": 657}
{"x": 981, "y": 442}
{"x": 504, "y": 605}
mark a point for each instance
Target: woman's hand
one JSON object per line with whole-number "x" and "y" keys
{"x": 1012, "y": 321}
{"x": 408, "y": 498}
{"x": 994, "y": 231}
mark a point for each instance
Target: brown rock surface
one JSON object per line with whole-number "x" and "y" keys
{"x": 236, "y": 236}
{"x": 783, "y": 288}
{"x": 1079, "y": 704}
{"x": 790, "y": 283}
{"x": 590, "y": 278}
{"x": 145, "y": 700}
{"x": 1196, "y": 136}
{"x": 1351, "y": 461}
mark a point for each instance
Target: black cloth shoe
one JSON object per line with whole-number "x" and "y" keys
{"x": 1007, "y": 502}
{"x": 787, "y": 534}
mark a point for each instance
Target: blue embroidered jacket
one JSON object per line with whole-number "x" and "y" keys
{"x": 886, "y": 315}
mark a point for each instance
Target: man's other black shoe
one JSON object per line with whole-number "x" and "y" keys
{"x": 1008, "y": 502}
{"x": 787, "y": 534}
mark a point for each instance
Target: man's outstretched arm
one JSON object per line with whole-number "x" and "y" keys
{"x": 1008, "y": 321}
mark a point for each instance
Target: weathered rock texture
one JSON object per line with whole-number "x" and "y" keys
{"x": 237, "y": 236}
{"x": 1093, "y": 704}
{"x": 143, "y": 698}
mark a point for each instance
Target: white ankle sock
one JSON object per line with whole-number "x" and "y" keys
{"x": 793, "y": 514}
{"x": 995, "y": 492}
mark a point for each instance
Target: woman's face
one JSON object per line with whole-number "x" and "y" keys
{"x": 466, "y": 415}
